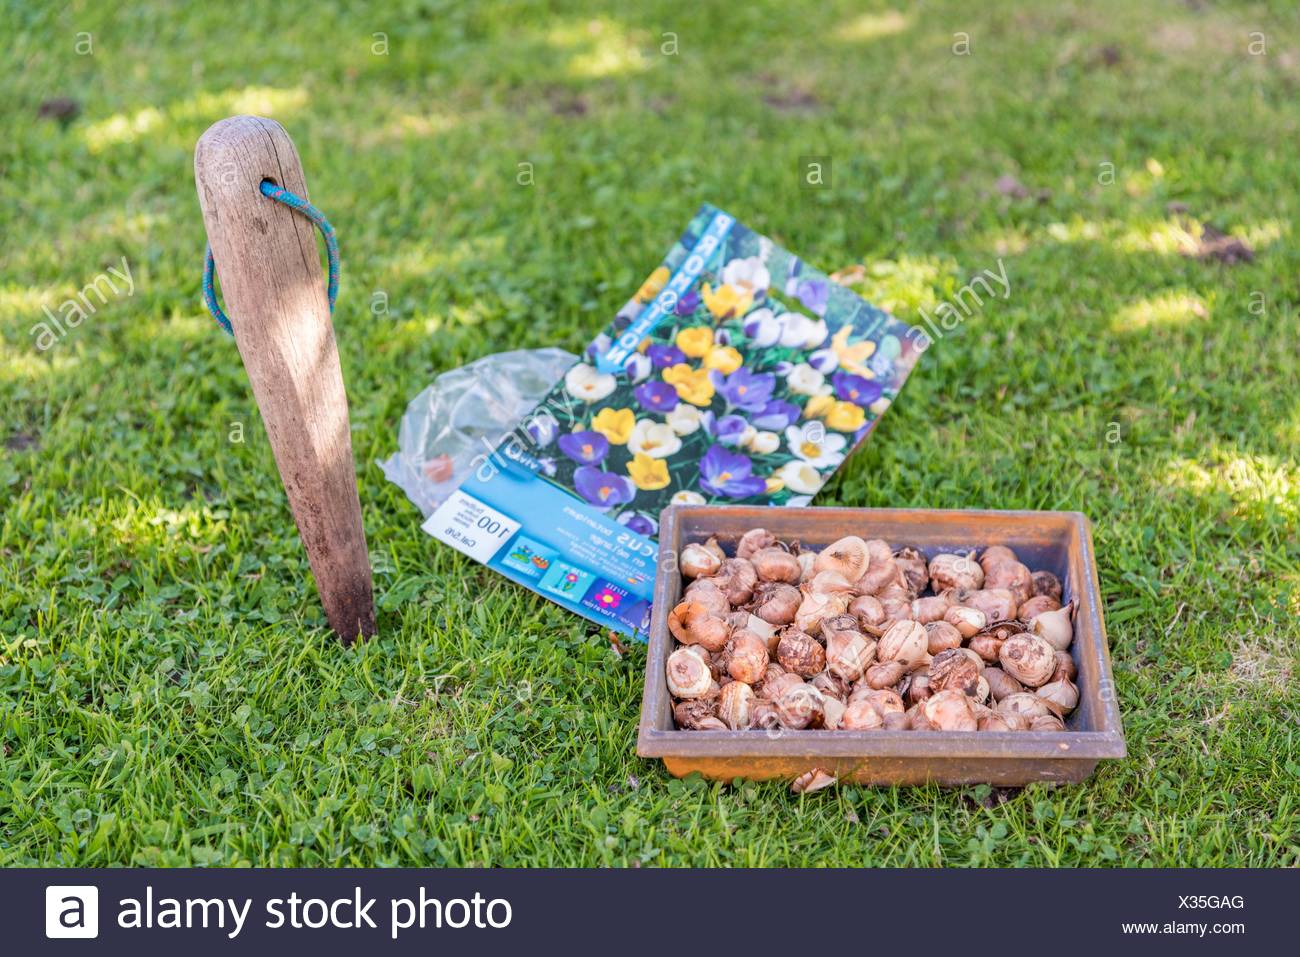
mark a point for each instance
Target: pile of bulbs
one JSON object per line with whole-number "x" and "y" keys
{"x": 859, "y": 636}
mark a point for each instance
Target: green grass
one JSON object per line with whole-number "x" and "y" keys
{"x": 169, "y": 693}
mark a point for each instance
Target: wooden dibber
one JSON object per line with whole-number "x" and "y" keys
{"x": 271, "y": 280}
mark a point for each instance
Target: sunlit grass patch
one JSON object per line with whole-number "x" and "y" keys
{"x": 870, "y": 26}
{"x": 127, "y": 128}
{"x": 1172, "y": 308}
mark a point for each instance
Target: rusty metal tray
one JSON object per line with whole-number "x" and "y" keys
{"x": 1060, "y": 542}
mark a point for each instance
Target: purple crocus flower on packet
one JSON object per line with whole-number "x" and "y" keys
{"x": 814, "y": 294}
{"x": 663, "y": 356}
{"x": 603, "y": 489}
{"x": 688, "y": 303}
{"x": 728, "y": 429}
{"x": 729, "y": 474}
{"x": 749, "y": 391}
{"x": 776, "y": 416}
{"x": 656, "y": 396}
{"x": 541, "y": 429}
{"x": 638, "y": 523}
{"x": 585, "y": 448}
{"x": 855, "y": 389}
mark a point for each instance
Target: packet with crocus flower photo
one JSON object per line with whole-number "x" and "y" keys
{"x": 737, "y": 374}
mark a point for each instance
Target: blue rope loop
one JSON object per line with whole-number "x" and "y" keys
{"x": 295, "y": 202}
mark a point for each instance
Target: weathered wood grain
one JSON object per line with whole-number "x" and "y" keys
{"x": 271, "y": 279}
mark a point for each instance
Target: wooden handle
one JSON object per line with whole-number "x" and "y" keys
{"x": 270, "y": 277}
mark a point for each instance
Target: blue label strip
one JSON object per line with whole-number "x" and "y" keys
{"x": 663, "y": 304}
{"x": 569, "y": 552}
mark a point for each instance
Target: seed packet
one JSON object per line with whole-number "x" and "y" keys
{"x": 736, "y": 374}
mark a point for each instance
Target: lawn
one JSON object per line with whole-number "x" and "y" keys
{"x": 170, "y": 694}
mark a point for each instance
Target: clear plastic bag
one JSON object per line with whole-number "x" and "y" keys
{"x": 463, "y": 415}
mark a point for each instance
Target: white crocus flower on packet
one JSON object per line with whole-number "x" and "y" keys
{"x": 585, "y": 383}
{"x": 749, "y": 275}
{"x": 653, "y": 439}
{"x": 687, "y": 497}
{"x": 763, "y": 328}
{"x": 684, "y": 419}
{"x": 799, "y": 476}
{"x": 815, "y": 445}
{"x": 805, "y": 380}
